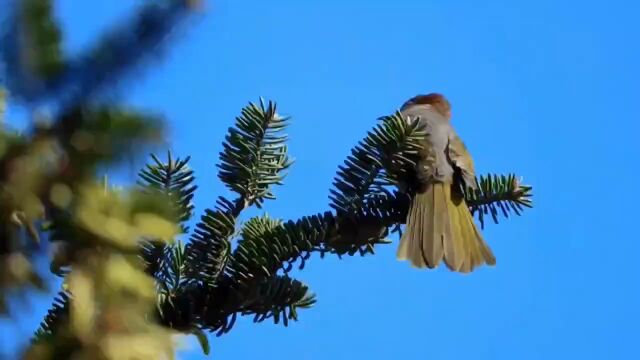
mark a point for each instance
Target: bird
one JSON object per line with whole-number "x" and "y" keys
{"x": 439, "y": 225}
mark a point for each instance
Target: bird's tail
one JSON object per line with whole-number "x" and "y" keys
{"x": 440, "y": 226}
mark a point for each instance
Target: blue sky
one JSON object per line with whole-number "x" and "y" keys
{"x": 546, "y": 89}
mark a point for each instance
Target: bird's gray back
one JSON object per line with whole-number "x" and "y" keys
{"x": 434, "y": 162}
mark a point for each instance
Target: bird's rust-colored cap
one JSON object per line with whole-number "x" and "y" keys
{"x": 437, "y": 100}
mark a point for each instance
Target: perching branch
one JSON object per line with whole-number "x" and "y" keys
{"x": 207, "y": 284}
{"x": 495, "y": 192}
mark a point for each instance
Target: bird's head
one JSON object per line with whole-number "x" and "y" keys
{"x": 435, "y": 100}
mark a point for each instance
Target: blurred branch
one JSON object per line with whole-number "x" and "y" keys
{"x": 81, "y": 78}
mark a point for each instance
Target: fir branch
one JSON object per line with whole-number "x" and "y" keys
{"x": 173, "y": 179}
{"x": 53, "y": 335}
{"x": 216, "y": 309}
{"x": 56, "y": 317}
{"x": 279, "y": 297}
{"x": 265, "y": 247}
{"x": 87, "y": 138}
{"x": 255, "y": 154}
{"x": 174, "y": 309}
{"x": 124, "y": 48}
{"x": 30, "y": 47}
{"x": 256, "y": 256}
{"x": 207, "y": 285}
{"x": 113, "y": 57}
{"x": 381, "y": 159}
{"x": 386, "y": 156}
{"x": 101, "y": 135}
{"x": 278, "y": 247}
{"x": 504, "y": 192}
{"x": 210, "y": 243}
{"x": 173, "y": 273}
{"x": 495, "y": 192}
{"x": 269, "y": 245}
{"x": 253, "y": 159}
{"x": 44, "y": 38}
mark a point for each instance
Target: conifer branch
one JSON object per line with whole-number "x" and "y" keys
{"x": 81, "y": 78}
{"x": 55, "y": 318}
{"x": 279, "y": 298}
{"x": 210, "y": 243}
{"x": 253, "y": 159}
{"x": 174, "y": 180}
{"x": 45, "y": 56}
{"x": 205, "y": 285}
{"x": 383, "y": 158}
{"x": 255, "y": 154}
{"x": 504, "y": 192}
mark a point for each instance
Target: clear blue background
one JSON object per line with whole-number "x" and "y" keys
{"x": 546, "y": 89}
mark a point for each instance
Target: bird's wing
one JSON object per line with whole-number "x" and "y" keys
{"x": 462, "y": 160}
